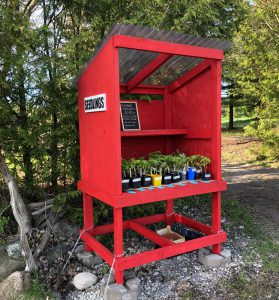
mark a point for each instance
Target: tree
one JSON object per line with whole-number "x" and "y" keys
{"x": 257, "y": 72}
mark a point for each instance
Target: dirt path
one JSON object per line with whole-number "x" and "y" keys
{"x": 256, "y": 187}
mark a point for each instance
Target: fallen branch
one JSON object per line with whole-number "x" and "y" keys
{"x": 21, "y": 215}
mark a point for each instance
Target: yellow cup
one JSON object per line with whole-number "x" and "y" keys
{"x": 156, "y": 179}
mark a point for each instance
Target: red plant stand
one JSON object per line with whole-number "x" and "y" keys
{"x": 187, "y": 118}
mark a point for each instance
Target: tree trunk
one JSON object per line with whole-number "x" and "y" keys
{"x": 54, "y": 153}
{"x": 21, "y": 215}
{"x": 231, "y": 115}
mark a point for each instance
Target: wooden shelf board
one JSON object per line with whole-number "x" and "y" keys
{"x": 178, "y": 191}
{"x": 154, "y": 132}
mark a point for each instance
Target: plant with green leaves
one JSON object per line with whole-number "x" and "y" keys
{"x": 204, "y": 162}
{"x": 125, "y": 168}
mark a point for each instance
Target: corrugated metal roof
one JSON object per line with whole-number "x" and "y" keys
{"x": 132, "y": 61}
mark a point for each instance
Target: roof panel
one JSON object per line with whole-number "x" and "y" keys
{"x": 132, "y": 61}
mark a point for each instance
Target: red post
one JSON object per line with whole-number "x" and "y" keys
{"x": 118, "y": 242}
{"x": 216, "y": 219}
{"x": 169, "y": 212}
{"x": 88, "y": 215}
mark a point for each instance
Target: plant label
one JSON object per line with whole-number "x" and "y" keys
{"x": 95, "y": 103}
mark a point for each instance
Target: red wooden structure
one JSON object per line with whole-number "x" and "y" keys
{"x": 186, "y": 72}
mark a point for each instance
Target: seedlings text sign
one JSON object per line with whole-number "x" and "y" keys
{"x": 95, "y": 103}
{"x": 129, "y": 116}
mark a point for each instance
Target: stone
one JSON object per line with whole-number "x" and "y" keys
{"x": 12, "y": 287}
{"x": 104, "y": 281}
{"x": 227, "y": 255}
{"x": 14, "y": 250}
{"x": 116, "y": 292}
{"x": 120, "y": 292}
{"x": 9, "y": 265}
{"x": 213, "y": 260}
{"x": 84, "y": 280}
{"x": 63, "y": 227}
{"x": 129, "y": 275}
{"x": 202, "y": 253}
{"x": 79, "y": 248}
{"x": 89, "y": 259}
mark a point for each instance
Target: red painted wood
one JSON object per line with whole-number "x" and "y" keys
{"x": 118, "y": 241}
{"x": 168, "y": 251}
{"x": 100, "y": 131}
{"x": 150, "y": 234}
{"x": 97, "y": 247}
{"x": 216, "y": 218}
{"x": 88, "y": 215}
{"x": 107, "y": 228}
{"x": 165, "y": 47}
{"x": 189, "y": 75}
{"x": 143, "y": 89}
{"x": 158, "y": 61}
{"x": 169, "y": 212}
{"x": 189, "y": 189}
{"x": 193, "y": 224}
{"x": 154, "y": 132}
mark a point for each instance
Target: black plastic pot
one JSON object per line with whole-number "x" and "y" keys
{"x": 183, "y": 175}
{"x": 175, "y": 177}
{"x": 125, "y": 184}
{"x": 206, "y": 176}
{"x": 146, "y": 180}
{"x": 135, "y": 182}
{"x": 198, "y": 174}
{"x": 166, "y": 178}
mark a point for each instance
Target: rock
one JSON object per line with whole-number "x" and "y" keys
{"x": 9, "y": 265}
{"x": 89, "y": 259}
{"x": 79, "y": 248}
{"x": 62, "y": 227}
{"x": 14, "y": 250}
{"x": 12, "y": 287}
{"x": 213, "y": 260}
{"x": 84, "y": 280}
{"x": 226, "y": 254}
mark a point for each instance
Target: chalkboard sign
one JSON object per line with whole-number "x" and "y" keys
{"x": 129, "y": 116}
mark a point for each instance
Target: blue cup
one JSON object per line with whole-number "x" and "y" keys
{"x": 191, "y": 173}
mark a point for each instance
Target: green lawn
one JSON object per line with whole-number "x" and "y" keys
{"x": 239, "y": 122}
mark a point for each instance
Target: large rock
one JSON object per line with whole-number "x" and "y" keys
{"x": 12, "y": 287}
{"x": 14, "y": 250}
{"x": 84, "y": 280}
{"x": 9, "y": 265}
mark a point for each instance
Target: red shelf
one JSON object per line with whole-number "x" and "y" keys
{"x": 154, "y": 132}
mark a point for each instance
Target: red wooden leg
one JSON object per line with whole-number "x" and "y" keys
{"x": 216, "y": 219}
{"x": 88, "y": 215}
{"x": 118, "y": 242}
{"x": 169, "y": 212}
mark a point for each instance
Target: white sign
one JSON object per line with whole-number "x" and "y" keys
{"x": 95, "y": 103}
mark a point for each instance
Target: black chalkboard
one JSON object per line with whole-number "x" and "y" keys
{"x": 129, "y": 116}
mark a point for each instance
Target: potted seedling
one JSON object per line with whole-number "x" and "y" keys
{"x": 135, "y": 180}
{"x": 176, "y": 164}
{"x": 204, "y": 163}
{"x": 155, "y": 172}
{"x": 143, "y": 167}
{"x": 184, "y": 162}
{"x": 191, "y": 171}
{"x": 125, "y": 175}
{"x": 198, "y": 165}
{"x": 166, "y": 175}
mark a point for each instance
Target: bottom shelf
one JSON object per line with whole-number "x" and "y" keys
{"x": 167, "y": 247}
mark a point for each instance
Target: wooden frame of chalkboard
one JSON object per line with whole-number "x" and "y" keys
{"x": 133, "y": 107}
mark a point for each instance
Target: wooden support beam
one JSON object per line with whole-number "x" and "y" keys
{"x": 159, "y": 60}
{"x": 189, "y": 75}
{"x": 150, "y": 234}
{"x": 96, "y": 246}
{"x": 138, "y": 43}
{"x": 143, "y": 89}
{"x": 192, "y": 224}
{"x": 103, "y": 229}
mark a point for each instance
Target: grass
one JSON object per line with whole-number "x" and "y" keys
{"x": 239, "y": 122}
{"x": 36, "y": 291}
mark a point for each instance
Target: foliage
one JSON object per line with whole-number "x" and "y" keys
{"x": 257, "y": 72}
